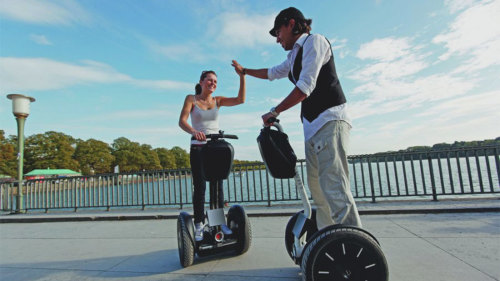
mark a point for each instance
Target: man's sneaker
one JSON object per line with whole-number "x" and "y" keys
{"x": 198, "y": 236}
{"x": 226, "y": 230}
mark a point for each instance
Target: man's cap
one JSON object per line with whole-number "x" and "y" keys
{"x": 285, "y": 16}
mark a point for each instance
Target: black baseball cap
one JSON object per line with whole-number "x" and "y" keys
{"x": 284, "y": 17}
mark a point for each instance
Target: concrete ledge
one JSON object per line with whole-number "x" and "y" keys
{"x": 262, "y": 213}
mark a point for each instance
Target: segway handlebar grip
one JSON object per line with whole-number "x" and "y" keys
{"x": 220, "y": 135}
{"x": 276, "y": 123}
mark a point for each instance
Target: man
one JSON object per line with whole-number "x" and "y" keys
{"x": 310, "y": 66}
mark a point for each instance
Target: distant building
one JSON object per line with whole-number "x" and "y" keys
{"x": 50, "y": 174}
{"x": 6, "y": 178}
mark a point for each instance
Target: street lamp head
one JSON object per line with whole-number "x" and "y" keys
{"x": 20, "y": 104}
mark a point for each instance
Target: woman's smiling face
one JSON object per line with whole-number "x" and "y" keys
{"x": 209, "y": 83}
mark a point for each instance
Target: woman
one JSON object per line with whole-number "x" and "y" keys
{"x": 204, "y": 111}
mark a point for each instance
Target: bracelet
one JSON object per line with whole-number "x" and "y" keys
{"x": 244, "y": 71}
{"x": 274, "y": 112}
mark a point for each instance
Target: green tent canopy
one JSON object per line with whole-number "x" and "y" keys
{"x": 52, "y": 172}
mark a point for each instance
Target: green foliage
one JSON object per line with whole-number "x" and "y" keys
{"x": 59, "y": 151}
{"x": 50, "y": 150}
{"x": 455, "y": 145}
{"x": 128, "y": 155}
{"x": 181, "y": 157}
{"x": 166, "y": 157}
{"x": 152, "y": 162}
{"x": 94, "y": 155}
{"x": 8, "y": 161}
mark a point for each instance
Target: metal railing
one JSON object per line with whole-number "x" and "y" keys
{"x": 421, "y": 175}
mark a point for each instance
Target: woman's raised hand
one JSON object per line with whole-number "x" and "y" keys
{"x": 238, "y": 68}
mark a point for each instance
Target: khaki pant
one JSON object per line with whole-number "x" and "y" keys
{"x": 328, "y": 175}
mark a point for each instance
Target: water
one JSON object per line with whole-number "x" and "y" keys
{"x": 248, "y": 183}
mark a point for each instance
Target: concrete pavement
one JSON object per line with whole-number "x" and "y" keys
{"x": 438, "y": 245}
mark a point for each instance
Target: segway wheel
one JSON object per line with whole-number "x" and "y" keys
{"x": 343, "y": 253}
{"x": 185, "y": 239}
{"x": 239, "y": 223}
{"x": 311, "y": 228}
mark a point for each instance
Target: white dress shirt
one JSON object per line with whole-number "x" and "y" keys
{"x": 316, "y": 53}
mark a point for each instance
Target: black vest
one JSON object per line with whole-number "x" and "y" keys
{"x": 326, "y": 94}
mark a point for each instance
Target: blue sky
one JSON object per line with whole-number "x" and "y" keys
{"x": 414, "y": 72}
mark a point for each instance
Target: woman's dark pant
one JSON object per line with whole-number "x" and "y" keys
{"x": 200, "y": 186}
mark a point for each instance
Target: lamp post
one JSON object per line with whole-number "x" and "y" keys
{"x": 20, "y": 109}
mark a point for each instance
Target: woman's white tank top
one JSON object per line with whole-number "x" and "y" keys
{"x": 206, "y": 121}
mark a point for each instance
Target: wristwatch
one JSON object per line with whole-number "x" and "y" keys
{"x": 273, "y": 111}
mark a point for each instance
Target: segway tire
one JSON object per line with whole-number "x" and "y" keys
{"x": 185, "y": 239}
{"x": 310, "y": 226}
{"x": 343, "y": 253}
{"x": 239, "y": 223}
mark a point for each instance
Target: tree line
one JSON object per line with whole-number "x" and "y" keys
{"x": 57, "y": 150}
{"x": 439, "y": 150}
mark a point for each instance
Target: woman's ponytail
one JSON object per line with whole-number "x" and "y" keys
{"x": 197, "y": 89}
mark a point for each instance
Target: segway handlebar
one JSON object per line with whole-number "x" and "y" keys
{"x": 220, "y": 135}
{"x": 276, "y": 123}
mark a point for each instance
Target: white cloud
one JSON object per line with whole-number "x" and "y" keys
{"x": 468, "y": 107}
{"x": 396, "y": 68}
{"x": 385, "y": 96}
{"x": 385, "y": 49}
{"x": 227, "y": 30}
{"x": 44, "y": 12}
{"x": 238, "y": 29}
{"x": 475, "y": 34}
{"x": 339, "y": 46}
{"x": 146, "y": 114}
{"x": 466, "y": 118}
{"x": 23, "y": 74}
{"x": 179, "y": 52}
{"x": 457, "y": 5}
{"x": 40, "y": 39}
{"x": 392, "y": 58}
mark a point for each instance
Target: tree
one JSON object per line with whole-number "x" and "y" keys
{"x": 128, "y": 155}
{"x": 167, "y": 158}
{"x": 151, "y": 161}
{"x": 181, "y": 157}
{"x": 50, "y": 150}
{"x": 94, "y": 155}
{"x": 8, "y": 163}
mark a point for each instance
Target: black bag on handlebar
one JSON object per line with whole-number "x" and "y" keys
{"x": 277, "y": 153}
{"x": 217, "y": 158}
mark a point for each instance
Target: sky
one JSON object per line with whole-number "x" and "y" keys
{"x": 413, "y": 72}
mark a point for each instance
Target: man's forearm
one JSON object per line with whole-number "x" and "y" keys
{"x": 295, "y": 97}
{"x": 259, "y": 73}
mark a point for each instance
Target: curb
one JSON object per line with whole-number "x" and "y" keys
{"x": 262, "y": 214}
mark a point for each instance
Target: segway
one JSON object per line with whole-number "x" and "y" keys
{"x": 217, "y": 161}
{"x": 336, "y": 252}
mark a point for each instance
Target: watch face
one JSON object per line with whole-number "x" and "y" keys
{"x": 347, "y": 260}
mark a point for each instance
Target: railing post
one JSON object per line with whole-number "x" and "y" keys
{"x": 268, "y": 191}
{"x": 3, "y": 197}
{"x": 180, "y": 186}
{"x": 142, "y": 191}
{"x": 371, "y": 179}
{"x": 433, "y": 183}
{"x": 497, "y": 164}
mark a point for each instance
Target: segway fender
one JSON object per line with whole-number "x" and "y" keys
{"x": 188, "y": 221}
{"x": 298, "y": 228}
